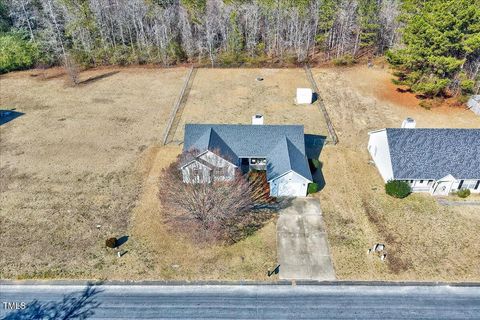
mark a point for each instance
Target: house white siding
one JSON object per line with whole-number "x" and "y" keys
{"x": 472, "y": 185}
{"x": 223, "y": 169}
{"x": 290, "y": 184}
{"x": 444, "y": 186}
{"x": 196, "y": 172}
{"x": 425, "y": 154}
{"x": 421, "y": 185}
{"x": 380, "y": 153}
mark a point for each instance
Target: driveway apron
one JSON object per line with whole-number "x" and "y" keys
{"x": 302, "y": 246}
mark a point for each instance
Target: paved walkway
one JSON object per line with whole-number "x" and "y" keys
{"x": 445, "y": 202}
{"x": 302, "y": 242}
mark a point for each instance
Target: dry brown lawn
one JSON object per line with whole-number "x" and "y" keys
{"x": 70, "y": 163}
{"x": 233, "y": 96}
{"x": 175, "y": 257}
{"x": 424, "y": 241}
{"x": 89, "y": 155}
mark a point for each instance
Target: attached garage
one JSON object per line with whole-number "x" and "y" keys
{"x": 290, "y": 184}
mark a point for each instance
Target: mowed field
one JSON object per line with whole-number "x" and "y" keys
{"x": 82, "y": 164}
{"x": 70, "y": 163}
{"x": 91, "y": 155}
{"x": 233, "y": 96}
{"x": 424, "y": 240}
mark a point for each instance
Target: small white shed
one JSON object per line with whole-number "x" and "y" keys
{"x": 474, "y": 104}
{"x": 304, "y": 96}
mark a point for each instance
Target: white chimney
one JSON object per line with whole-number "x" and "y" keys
{"x": 409, "y": 123}
{"x": 257, "y": 119}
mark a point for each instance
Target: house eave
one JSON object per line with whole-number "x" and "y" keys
{"x": 285, "y": 173}
{"x": 376, "y": 131}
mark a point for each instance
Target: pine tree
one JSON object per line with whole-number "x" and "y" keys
{"x": 440, "y": 38}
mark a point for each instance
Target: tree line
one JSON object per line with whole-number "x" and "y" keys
{"x": 229, "y": 32}
{"x": 100, "y": 32}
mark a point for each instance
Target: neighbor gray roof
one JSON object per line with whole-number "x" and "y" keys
{"x": 434, "y": 153}
{"x": 282, "y": 145}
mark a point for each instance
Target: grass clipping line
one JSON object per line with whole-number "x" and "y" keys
{"x": 394, "y": 260}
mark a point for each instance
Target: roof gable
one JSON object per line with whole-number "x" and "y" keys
{"x": 216, "y": 144}
{"x": 285, "y": 157}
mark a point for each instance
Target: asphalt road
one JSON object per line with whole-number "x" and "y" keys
{"x": 241, "y": 302}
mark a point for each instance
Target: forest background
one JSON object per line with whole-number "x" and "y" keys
{"x": 433, "y": 44}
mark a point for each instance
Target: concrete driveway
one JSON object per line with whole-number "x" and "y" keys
{"x": 302, "y": 242}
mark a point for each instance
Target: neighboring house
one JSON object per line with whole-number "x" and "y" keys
{"x": 474, "y": 104}
{"x": 438, "y": 161}
{"x": 219, "y": 150}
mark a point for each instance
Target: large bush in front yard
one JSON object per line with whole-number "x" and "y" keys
{"x": 397, "y": 188}
{"x": 463, "y": 193}
{"x": 221, "y": 211}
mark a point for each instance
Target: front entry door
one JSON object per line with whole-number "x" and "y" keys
{"x": 442, "y": 188}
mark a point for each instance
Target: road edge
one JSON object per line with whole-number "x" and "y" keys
{"x": 64, "y": 282}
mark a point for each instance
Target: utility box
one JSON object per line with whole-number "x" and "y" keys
{"x": 304, "y": 96}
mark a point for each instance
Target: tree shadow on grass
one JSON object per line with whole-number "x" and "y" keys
{"x": 313, "y": 145}
{"x": 8, "y": 115}
{"x": 318, "y": 177}
{"x": 99, "y": 77}
{"x": 78, "y": 305}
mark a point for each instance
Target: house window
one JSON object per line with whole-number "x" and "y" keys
{"x": 421, "y": 181}
{"x": 460, "y": 184}
{"x": 477, "y": 185}
{"x": 469, "y": 184}
{"x": 430, "y": 182}
{"x": 258, "y": 161}
{"x": 195, "y": 172}
{"x": 219, "y": 171}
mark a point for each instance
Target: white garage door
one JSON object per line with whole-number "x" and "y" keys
{"x": 290, "y": 189}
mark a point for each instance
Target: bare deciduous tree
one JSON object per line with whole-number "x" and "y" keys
{"x": 133, "y": 31}
{"x": 219, "y": 210}
{"x": 72, "y": 69}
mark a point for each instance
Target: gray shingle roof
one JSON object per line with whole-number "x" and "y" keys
{"x": 285, "y": 157}
{"x": 245, "y": 141}
{"x": 434, "y": 153}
